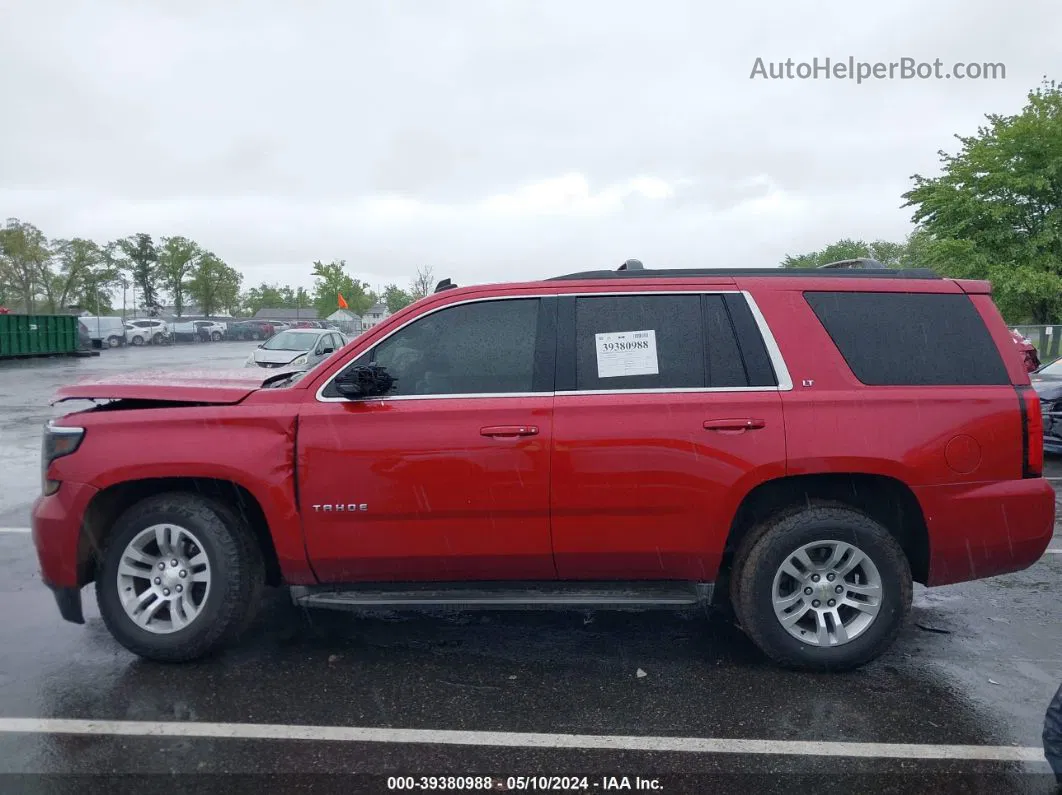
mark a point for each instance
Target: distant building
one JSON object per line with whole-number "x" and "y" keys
{"x": 376, "y": 314}
{"x": 349, "y": 323}
{"x": 283, "y": 313}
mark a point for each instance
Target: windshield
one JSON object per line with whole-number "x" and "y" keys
{"x": 290, "y": 341}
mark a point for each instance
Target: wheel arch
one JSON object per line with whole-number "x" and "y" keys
{"x": 887, "y": 500}
{"x": 109, "y": 503}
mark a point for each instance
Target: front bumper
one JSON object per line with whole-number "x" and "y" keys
{"x": 56, "y": 533}
{"x": 56, "y": 525}
{"x": 68, "y": 600}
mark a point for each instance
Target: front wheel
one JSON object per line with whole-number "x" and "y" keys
{"x": 138, "y": 340}
{"x": 824, "y": 589}
{"x": 216, "y": 336}
{"x": 179, "y": 577}
{"x": 114, "y": 342}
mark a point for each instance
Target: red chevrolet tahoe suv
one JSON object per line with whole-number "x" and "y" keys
{"x": 799, "y": 445}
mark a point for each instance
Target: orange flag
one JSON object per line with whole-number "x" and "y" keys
{"x": 342, "y": 301}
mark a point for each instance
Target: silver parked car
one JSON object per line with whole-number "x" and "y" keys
{"x": 297, "y": 348}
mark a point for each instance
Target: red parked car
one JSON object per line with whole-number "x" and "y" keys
{"x": 782, "y": 441}
{"x": 1029, "y": 355}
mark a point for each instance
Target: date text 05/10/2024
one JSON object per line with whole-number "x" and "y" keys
{"x": 523, "y": 783}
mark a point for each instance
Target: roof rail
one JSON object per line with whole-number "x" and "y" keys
{"x": 722, "y": 273}
{"x": 862, "y": 263}
{"x": 445, "y": 284}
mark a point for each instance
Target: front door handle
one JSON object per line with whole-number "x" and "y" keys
{"x": 507, "y": 431}
{"x": 743, "y": 424}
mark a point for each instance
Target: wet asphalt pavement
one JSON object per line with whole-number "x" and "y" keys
{"x": 976, "y": 666}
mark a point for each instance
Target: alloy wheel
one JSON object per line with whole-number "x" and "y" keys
{"x": 827, "y": 593}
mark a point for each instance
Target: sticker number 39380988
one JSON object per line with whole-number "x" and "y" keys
{"x": 626, "y": 353}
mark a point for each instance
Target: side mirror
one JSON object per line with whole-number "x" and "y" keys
{"x": 324, "y": 351}
{"x": 364, "y": 381}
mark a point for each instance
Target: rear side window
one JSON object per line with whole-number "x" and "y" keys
{"x": 725, "y": 367}
{"x": 910, "y": 339}
{"x": 639, "y": 342}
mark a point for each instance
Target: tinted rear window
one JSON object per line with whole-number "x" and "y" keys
{"x": 910, "y": 339}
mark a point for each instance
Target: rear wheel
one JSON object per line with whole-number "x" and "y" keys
{"x": 138, "y": 340}
{"x": 157, "y": 338}
{"x": 114, "y": 342}
{"x": 216, "y": 336}
{"x": 179, "y": 577}
{"x": 824, "y": 589}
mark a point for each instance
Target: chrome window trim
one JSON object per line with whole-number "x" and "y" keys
{"x": 785, "y": 382}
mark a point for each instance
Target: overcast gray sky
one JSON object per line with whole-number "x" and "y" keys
{"x": 492, "y": 140}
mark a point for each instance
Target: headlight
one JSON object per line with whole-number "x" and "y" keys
{"x": 299, "y": 360}
{"x": 57, "y": 442}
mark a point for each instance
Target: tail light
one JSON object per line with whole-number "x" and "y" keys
{"x": 1032, "y": 433}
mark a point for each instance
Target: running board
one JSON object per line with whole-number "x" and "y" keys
{"x": 502, "y": 596}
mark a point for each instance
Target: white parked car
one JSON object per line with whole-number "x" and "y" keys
{"x": 105, "y": 332}
{"x": 297, "y": 348}
{"x": 144, "y": 331}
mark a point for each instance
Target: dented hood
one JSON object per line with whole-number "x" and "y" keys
{"x": 191, "y": 386}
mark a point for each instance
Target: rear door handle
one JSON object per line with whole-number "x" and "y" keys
{"x": 506, "y": 431}
{"x": 742, "y": 424}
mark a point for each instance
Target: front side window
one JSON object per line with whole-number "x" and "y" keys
{"x": 484, "y": 347}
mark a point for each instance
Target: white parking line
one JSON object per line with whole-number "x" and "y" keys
{"x": 352, "y": 734}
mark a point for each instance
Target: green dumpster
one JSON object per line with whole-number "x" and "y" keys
{"x": 37, "y": 335}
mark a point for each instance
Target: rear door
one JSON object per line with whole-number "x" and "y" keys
{"x": 667, "y": 412}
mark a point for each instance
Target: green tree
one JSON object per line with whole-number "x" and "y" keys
{"x": 274, "y": 296}
{"x": 178, "y": 257}
{"x": 84, "y": 277}
{"x": 995, "y": 212}
{"x": 25, "y": 263}
{"x": 884, "y": 251}
{"x": 396, "y": 298}
{"x": 332, "y": 281}
{"x": 142, "y": 258}
{"x": 214, "y": 286}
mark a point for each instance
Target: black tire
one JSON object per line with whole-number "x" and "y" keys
{"x": 217, "y": 336}
{"x": 156, "y": 338}
{"x": 138, "y": 340}
{"x": 237, "y": 571}
{"x": 769, "y": 545}
{"x": 114, "y": 342}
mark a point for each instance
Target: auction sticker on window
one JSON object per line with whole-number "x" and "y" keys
{"x": 626, "y": 353}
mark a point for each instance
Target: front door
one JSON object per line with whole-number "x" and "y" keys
{"x": 662, "y": 422}
{"x": 447, "y": 476}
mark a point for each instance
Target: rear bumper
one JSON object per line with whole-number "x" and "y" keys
{"x": 56, "y": 526}
{"x": 983, "y": 530}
